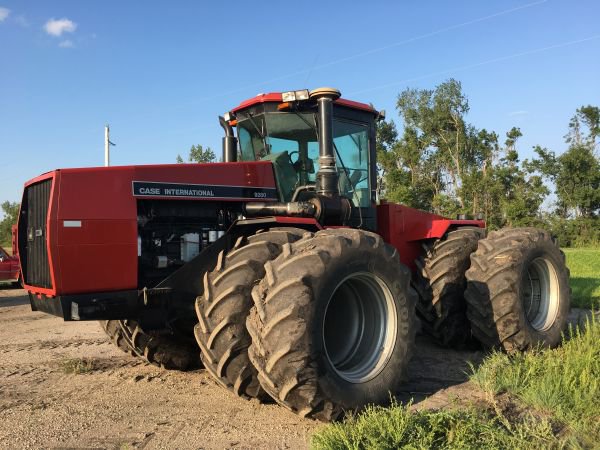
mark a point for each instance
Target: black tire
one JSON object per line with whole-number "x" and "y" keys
{"x": 160, "y": 348}
{"x": 222, "y": 309}
{"x": 513, "y": 274}
{"x": 351, "y": 274}
{"x": 440, "y": 283}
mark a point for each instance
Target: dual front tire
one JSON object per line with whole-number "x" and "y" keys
{"x": 330, "y": 322}
{"x": 333, "y": 324}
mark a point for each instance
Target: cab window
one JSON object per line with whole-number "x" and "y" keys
{"x": 351, "y": 144}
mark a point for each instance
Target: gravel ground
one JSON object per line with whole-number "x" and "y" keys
{"x": 124, "y": 403}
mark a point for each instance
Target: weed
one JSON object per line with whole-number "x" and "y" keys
{"x": 77, "y": 365}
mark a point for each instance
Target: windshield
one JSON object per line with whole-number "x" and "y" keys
{"x": 289, "y": 140}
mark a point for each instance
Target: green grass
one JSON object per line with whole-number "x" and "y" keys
{"x": 584, "y": 264}
{"x": 471, "y": 428}
{"x": 563, "y": 383}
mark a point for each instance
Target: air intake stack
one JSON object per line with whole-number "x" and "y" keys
{"x": 327, "y": 176}
{"x": 326, "y": 204}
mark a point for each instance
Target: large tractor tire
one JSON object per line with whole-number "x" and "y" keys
{"x": 223, "y": 308}
{"x": 440, "y": 284}
{"x": 333, "y": 324}
{"x": 518, "y": 294}
{"x": 160, "y": 348}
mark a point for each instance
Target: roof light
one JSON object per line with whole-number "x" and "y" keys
{"x": 229, "y": 116}
{"x": 295, "y": 96}
{"x": 288, "y": 96}
{"x": 302, "y": 95}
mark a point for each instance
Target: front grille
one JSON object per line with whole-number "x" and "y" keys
{"x": 33, "y": 234}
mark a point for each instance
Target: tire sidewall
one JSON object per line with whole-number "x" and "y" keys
{"x": 377, "y": 389}
{"x": 551, "y": 336}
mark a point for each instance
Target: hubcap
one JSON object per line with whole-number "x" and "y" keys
{"x": 541, "y": 294}
{"x": 359, "y": 330}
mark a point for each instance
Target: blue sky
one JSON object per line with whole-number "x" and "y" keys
{"x": 160, "y": 73}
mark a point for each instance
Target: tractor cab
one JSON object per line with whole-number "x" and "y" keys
{"x": 283, "y": 128}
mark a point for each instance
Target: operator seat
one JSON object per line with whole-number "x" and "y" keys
{"x": 285, "y": 174}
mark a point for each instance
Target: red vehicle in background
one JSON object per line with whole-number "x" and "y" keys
{"x": 9, "y": 264}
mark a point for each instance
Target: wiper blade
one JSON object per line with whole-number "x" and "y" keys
{"x": 253, "y": 122}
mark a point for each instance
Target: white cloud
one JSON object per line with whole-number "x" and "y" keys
{"x": 4, "y": 13}
{"x": 518, "y": 113}
{"x": 67, "y": 43}
{"x": 56, "y": 27}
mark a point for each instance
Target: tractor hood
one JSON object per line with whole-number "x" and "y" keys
{"x": 84, "y": 222}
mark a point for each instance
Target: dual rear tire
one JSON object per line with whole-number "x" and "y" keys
{"x": 518, "y": 294}
{"x": 508, "y": 291}
{"x": 440, "y": 283}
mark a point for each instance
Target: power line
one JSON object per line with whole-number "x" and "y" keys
{"x": 478, "y": 64}
{"x": 313, "y": 68}
{"x": 380, "y": 49}
{"x": 455, "y": 69}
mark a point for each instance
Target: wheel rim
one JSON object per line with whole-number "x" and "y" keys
{"x": 359, "y": 330}
{"x": 541, "y": 294}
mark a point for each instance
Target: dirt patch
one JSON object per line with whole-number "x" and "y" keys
{"x": 121, "y": 402}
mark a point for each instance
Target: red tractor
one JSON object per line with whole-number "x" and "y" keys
{"x": 280, "y": 262}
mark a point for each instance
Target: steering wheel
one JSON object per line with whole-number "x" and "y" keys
{"x": 290, "y": 156}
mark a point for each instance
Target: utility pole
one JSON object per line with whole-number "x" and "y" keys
{"x": 106, "y": 146}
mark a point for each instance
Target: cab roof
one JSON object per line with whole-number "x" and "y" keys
{"x": 276, "y": 97}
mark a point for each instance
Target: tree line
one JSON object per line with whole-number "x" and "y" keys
{"x": 440, "y": 162}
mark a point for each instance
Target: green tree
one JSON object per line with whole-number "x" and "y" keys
{"x": 10, "y": 211}
{"x": 522, "y": 192}
{"x": 387, "y": 136}
{"x": 435, "y": 121}
{"x": 198, "y": 154}
{"x": 442, "y": 163}
{"x": 405, "y": 176}
{"x": 575, "y": 173}
{"x": 584, "y": 127}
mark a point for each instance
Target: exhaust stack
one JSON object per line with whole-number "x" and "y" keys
{"x": 229, "y": 142}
